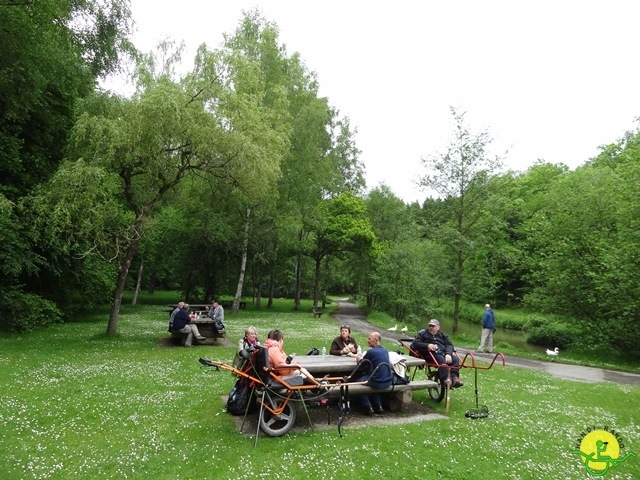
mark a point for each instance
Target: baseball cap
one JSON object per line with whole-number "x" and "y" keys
{"x": 433, "y": 321}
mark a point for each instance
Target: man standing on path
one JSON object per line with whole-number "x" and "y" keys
{"x": 488, "y": 329}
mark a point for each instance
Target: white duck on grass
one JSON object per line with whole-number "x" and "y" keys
{"x": 554, "y": 352}
{"x": 393, "y": 329}
{"x": 404, "y": 329}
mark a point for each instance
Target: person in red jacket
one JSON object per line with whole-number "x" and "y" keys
{"x": 277, "y": 356}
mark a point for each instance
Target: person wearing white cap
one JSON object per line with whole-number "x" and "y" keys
{"x": 433, "y": 344}
{"x": 488, "y": 329}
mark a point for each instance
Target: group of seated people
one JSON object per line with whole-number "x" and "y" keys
{"x": 180, "y": 321}
{"x": 181, "y": 318}
{"x": 431, "y": 343}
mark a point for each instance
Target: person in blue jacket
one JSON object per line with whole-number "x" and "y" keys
{"x": 181, "y": 324}
{"x": 488, "y": 329}
{"x": 380, "y": 376}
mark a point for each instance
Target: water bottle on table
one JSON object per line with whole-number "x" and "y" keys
{"x": 324, "y": 352}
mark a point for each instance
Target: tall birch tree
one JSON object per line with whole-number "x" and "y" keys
{"x": 459, "y": 177}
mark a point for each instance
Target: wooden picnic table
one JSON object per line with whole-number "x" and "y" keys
{"x": 205, "y": 327}
{"x": 332, "y": 365}
{"x": 202, "y": 307}
{"x": 318, "y": 365}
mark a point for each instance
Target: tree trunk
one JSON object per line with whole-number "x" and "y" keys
{"x": 458, "y": 292}
{"x": 259, "y": 295}
{"x": 123, "y": 271}
{"x": 316, "y": 283}
{"x": 298, "y": 287}
{"x": 243, "y": 265}
{"x": 325, "y": 281}
{"x": 152, "y": 283}
{"x": 272, "y": 287}
{"x": 138, "y": 283}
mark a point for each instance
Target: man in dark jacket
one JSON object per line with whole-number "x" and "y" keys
{"x": 432, "y": 343}
{"x": 181, "y": 324}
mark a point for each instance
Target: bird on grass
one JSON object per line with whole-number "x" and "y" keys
{"x": 393, "y": 329}
{"x": 404, "y": 329}
{"x": 554, "y": 352}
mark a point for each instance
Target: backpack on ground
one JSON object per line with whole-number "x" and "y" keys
{"x": 239, "y": 398}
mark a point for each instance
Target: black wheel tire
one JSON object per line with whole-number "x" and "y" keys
{"x": 438, "y": 392}
{"x": 276, "y": 426}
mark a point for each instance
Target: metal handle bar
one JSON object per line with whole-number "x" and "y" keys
{"x": 473, "y": 361}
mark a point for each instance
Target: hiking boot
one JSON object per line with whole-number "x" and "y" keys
{"x": 457, "y": 383}
{"x": 378, "y": 410}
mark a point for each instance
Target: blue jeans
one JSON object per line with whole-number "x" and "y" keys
{"x": 373, "y": 398}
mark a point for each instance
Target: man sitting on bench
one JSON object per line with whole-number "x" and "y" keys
{"x": 380, "y": 376}
{"x": 181, "y": 324}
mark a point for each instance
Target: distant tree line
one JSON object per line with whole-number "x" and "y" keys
{"x": 238, "y": 179}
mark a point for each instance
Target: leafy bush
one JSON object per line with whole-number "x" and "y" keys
{"x": 535, "y": 322}
{"x": 467, "y": 313}
{"x": 510, "y": 323}
{"x": 21, "y": 312}
{"x": 504, "y": 346}
{"x": 552, "y": 335}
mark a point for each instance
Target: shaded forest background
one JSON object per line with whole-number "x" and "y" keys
{"x": 238, "y": 179}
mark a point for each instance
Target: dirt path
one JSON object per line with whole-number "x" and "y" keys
{"x": 351, "y": 314}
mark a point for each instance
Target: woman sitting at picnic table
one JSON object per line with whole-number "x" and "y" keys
{"x": 344, "y": 344}
{"x": 246, "y": 346}
{"x": 250, "y": 339}
{"x": 277, "y": 357}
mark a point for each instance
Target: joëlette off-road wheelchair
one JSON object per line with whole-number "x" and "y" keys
{"x": 432, "y": 368}
{"x": 278, "y": 390}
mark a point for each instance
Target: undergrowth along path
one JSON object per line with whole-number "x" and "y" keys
{"x": 351, "y": 314}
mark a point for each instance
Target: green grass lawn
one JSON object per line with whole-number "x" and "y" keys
{"x": 79, "y": 405}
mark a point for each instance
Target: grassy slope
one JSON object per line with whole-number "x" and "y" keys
{"x": 79, "y": 405}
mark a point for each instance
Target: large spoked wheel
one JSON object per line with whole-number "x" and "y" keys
{"x": 275, "y": 426}
{"x": 438, "y": 392}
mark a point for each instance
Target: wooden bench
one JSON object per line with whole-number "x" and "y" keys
{"x": 316, "y": 312}
{"x": 228, "y": 304}
{"x": 399, "y": 394}
{"x": 179, "y": 338}
{"x": 205, "y": 327}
